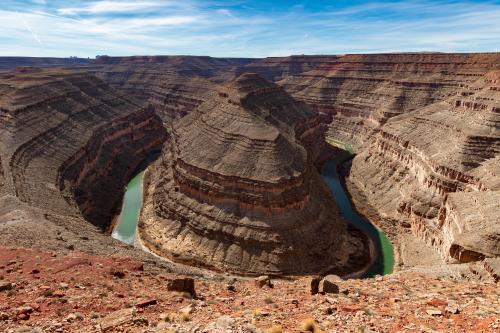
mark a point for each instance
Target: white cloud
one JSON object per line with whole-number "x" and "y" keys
{"x": 109, "y": 7}
{"x": 196, "y": 27}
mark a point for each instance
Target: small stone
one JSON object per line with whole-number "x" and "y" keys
{"x": 315, "y": 285}
{"x": 187, "y": 310}
{"x": 117, "y": 273}
{"x": 117, "y": 318}
{"x": 453, "y": 309}
{"x": 23, "y": 316}
{"x": 24, "y": 310}
{"x": 4, "y": 285}
{"x": 263, "y": 281}
{"x": 28, "y": 329}
{"x": 434, "y": 312}
{"x": 70, "y": 318}
{"x": 146, "y": 303}
{"x": 225, "y": 322}
{"x": 35, "y": 271}
{"x": 63, "y": 285}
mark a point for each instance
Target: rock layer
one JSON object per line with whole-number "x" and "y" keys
{"x": 437, "y": 169}
{"x": 174, "y": 85}
{"x": 365, "y": 90}
{"x": 69, "y": 142}
{"x": 236, "y": 189}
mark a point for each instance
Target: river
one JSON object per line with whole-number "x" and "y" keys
{"x": 384, "y": 258}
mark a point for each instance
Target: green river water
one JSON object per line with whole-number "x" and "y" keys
{"x": 384, "y": 262}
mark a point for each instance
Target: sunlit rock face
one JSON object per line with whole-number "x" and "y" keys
{"x": 364, "y": 91}
{"x": 438, "y": 169}
{"x": 236, "y": 189}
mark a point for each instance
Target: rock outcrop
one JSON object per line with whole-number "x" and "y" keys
{"x": 236, "y": 189}
{"x": 363, "y": 91}
{"x": 437, "y": 169}
{"x": 69, "y": 142}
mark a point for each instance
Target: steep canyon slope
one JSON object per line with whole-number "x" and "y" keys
{"x": 437, "y": 169}
{"x": 365, "y": 90}
{"x": 236, "y": 188}
{"x": 68, "y": 144}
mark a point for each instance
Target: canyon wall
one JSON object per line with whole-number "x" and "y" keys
{"x": 236, "y": 189}
{"x": 363, "y": 91}
{"x": 8, "y": 63}
{"x": 437, "y": 170}
{"x": 174, "y": 85}
{"x": 69, "y": 142}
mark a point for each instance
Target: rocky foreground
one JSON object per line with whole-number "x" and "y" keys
{"x": 50, "y": 292}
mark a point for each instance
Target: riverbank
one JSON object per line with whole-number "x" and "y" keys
{"x": 379, "y": 248}
{"x": 381, "y": 253}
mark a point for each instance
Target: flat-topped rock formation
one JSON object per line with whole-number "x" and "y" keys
{"x": 69, "y": 142}
{"x": 236, "y": 189}
{"x": 365, "y": 90}
{"x": 277, "y": 68}
{"x": 8, "y": 63}
{"x": 437, "y": 169}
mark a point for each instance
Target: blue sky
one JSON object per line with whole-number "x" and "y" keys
{"x": 245, "y": 28}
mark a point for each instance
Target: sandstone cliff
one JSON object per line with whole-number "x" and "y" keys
{"x": 365, "y": 90}
{"x": 69, "y": 142}
{"x": 174, "y": 85}
{"x": 236, "y": 189}
{"x": 437, "y": 169}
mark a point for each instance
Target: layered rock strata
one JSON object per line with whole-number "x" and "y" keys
{"x": 437, "y": 169}
{"x": 365, "y": 90}
{"x": 174, "y": 85}
{"x": 8, "y": 63}
{"x": 277, "y": 68}
{"x": 236, "y": 189}
{"x": 69, "y": 142}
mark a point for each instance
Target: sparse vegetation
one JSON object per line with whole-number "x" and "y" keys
{"x": 275, "y": 329}
{"x": 309, "y": 325}
{"x": 268, "y": 300}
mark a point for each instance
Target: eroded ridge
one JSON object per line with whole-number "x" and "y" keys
{"x": 364, "y": 91}
{"x": 236, "y": 188}
{"x": 437, "y": 169}
{"x": 64, "y": 133}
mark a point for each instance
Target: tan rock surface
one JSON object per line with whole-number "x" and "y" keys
{"x": 437, "y": 169}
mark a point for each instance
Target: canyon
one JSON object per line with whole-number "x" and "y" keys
{"x": 237, "y": 187}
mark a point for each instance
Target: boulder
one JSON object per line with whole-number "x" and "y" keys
{"x": 182, "y": 285}
{"x": 263, "y": 281}
{"x": 117, "y": 318}
{"x": 328, "y": 285}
